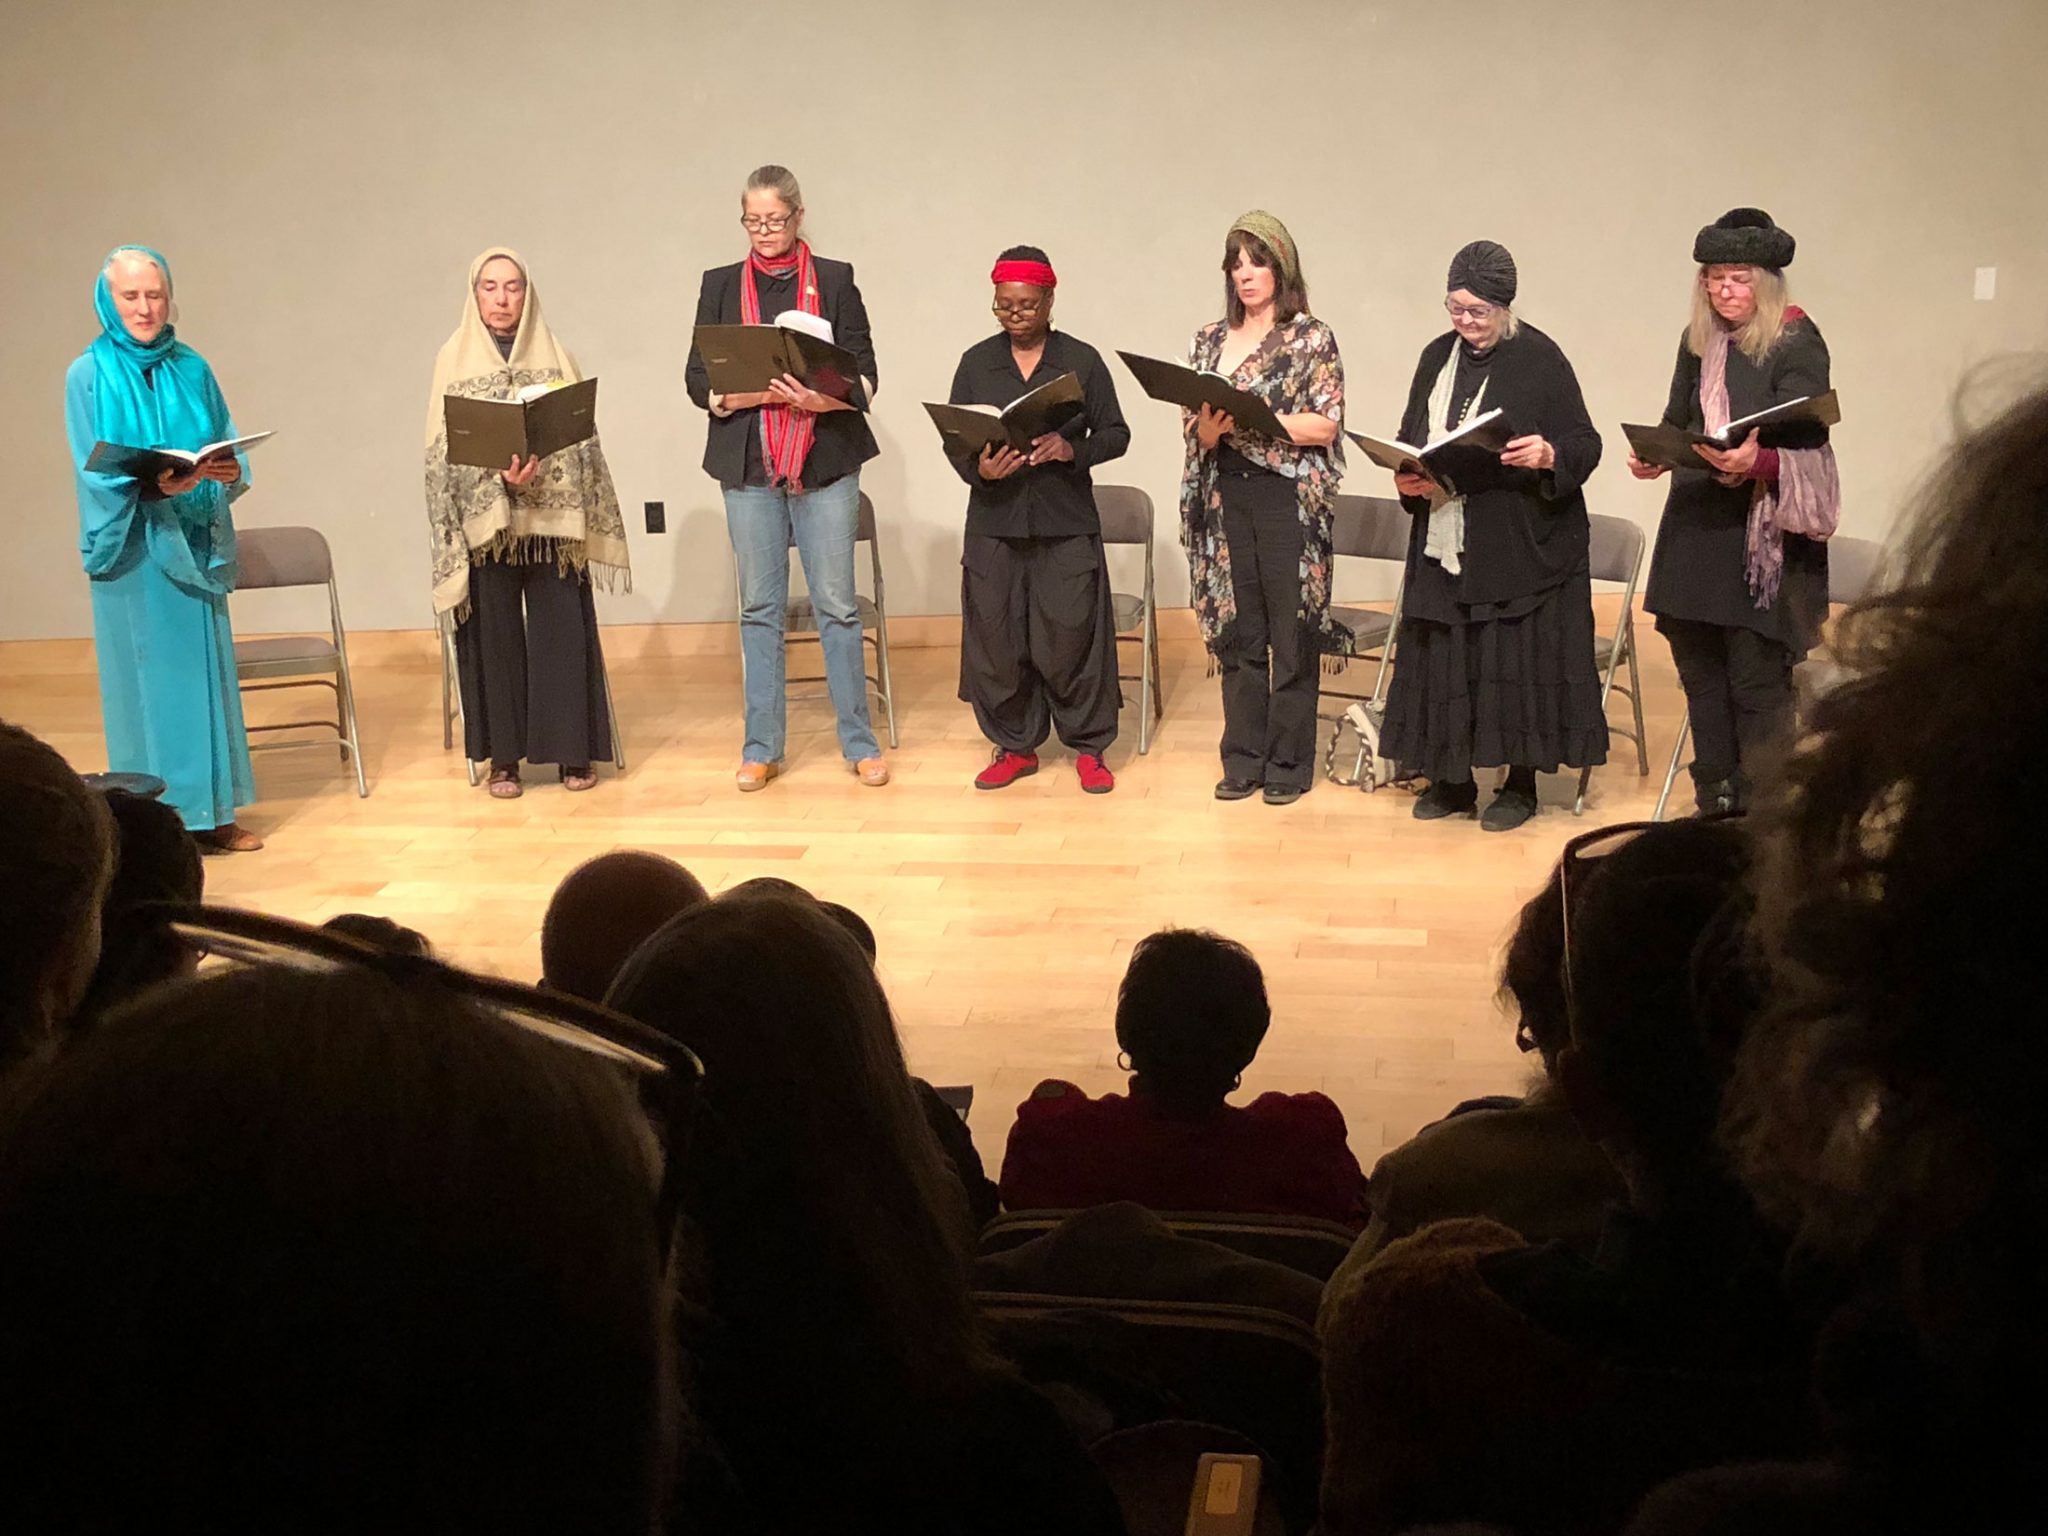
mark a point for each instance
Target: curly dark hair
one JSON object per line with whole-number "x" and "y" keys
{"x": 1890, "y": 1102}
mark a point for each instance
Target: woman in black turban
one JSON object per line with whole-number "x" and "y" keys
{"x": 1496, "y": 666}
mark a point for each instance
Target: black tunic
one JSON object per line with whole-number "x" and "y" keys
{"x": 1697, "y": 570}
{"x": 1528, "y": 534}
{"x": 1047, "y": 500}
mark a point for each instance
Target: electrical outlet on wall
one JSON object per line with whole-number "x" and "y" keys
{"x": 657, "y": 517}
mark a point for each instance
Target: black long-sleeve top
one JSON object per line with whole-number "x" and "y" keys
{"x": 1527, "y": 533}
{"x": 1046, "y": 500}
{"x": 844, "y": 441}
{"x": 1697, "y": 570}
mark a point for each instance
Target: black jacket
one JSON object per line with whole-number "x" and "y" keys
{"x": 1526, "y": 534}
{"x": 1697, "y": 570}
{"x": 1051, "y": 500}
{"x": 844, "y": 441}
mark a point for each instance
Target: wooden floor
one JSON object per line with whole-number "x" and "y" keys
{"x": 1004, "y": 919}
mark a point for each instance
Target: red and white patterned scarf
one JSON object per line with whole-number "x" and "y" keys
{"x": 786, "y": 433}
{"x": 1805, "y": 499}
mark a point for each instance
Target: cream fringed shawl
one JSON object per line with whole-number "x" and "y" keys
{"x": 568, "y": 513}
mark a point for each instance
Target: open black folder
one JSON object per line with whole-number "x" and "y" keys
{"x": 741, "y": 359}
{"x": 1462, "y": 462}
{"x": 1672, "y": 447}
{"x": 1178, "y": 384}
{"x": 147, "y": 463}
{"x": 489, "y": 434}
{"x": 967, "y": 429}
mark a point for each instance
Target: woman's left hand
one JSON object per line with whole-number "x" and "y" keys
{"x": 793, "y": 392}
{"x": 1052, "y": 448}
{"x": 1737, "y": 461}
{"x": 1529, "y": 453}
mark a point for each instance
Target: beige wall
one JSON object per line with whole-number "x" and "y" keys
{"x": 321, "y": 176}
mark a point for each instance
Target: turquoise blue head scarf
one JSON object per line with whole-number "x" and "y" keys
{"x": 156, "y": 394}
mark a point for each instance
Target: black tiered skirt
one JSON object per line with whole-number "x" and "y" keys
{"x": 1500, "y": 689}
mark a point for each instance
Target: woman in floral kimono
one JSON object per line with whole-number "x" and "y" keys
{"x": 1255, "y": 513}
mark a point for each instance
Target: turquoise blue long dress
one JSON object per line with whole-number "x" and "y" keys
{"x": 160, "y": 569}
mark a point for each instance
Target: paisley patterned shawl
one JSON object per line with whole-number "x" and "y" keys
{"x": 1296, "y": 368}
{"x": 569, "y": 513}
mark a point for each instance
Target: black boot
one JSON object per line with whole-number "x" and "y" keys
{"x": 1444, "y": 798}
{"x": 1720, "y": 796}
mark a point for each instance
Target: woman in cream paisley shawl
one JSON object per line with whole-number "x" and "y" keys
{"x": 516, "y": 550}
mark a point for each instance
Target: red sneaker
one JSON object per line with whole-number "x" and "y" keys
{"x": 1094, "y": 774}
{"x": 1006, "y": 769}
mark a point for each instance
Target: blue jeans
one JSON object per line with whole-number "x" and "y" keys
{"x": 762, "y": 521}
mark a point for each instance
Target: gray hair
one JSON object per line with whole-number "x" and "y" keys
{"x": 129, "y": 255}
{"x": 777, "y": 179}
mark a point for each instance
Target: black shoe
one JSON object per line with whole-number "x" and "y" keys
{"x": 1236, "y": 789}
{"x": 1510, "y": 808}
{"x": 1442, "y": 799}
{"x": 1722, "y": 797}
{"x": 1284, "y": 794}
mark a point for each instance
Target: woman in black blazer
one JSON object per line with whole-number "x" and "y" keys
{"x": 788, "y": 460}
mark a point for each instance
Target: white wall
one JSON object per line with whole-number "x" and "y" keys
{"x": 320, "y": 177}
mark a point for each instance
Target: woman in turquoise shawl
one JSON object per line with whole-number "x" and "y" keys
{"x": 161, "y": 557}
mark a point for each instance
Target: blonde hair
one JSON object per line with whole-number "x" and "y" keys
{"x": 777, "y": 179}
{"x": 1755, "y": 337}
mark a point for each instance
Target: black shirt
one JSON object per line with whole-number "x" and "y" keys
{"x": 1048, "y": 500}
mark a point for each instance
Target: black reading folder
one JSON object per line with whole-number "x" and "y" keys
{"x": 1672, "y": 447}
{"x": 967, "y": 429}
{"x": 741, "y": 359}
{"x": 1462, "y": 462}
{"x": 148, "y": 463}
{"x": 1178, "y": 384}
{"x": 490, "y": 433}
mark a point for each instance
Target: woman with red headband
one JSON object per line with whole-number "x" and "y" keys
{"x": 1255, "y": 513}
{"x": 1037, "y": 638}
{"x": 788, "y": 460}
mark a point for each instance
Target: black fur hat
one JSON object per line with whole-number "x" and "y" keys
{"x": 1744, "y": 236}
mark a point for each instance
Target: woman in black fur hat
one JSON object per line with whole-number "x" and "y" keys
{"x": 1739, "y": 580}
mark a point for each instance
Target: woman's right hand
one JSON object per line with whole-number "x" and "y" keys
{"x": 1210, "y": 426}
{"x": 1000, "y": 463}
{"x": 517, "y": 476}
{"x": 174, "y": 482}
{"x": 1409, "y": 483}
{"x": 1643, "y": 471}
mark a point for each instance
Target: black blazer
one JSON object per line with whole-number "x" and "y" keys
{"x": 843, "y": 442}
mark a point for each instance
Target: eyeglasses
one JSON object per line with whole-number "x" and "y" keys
{"x": 1732, "y": 280}
{"x": 1021, "y": 308}
{"x": 1469, "y": 311}
{"x": 766, "y": 223}
{"x": 1573, "y": 867}
{"x": 668, "y": 1071}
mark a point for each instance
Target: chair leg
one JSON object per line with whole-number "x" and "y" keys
{"x": 1635, "y": 694}
{"x": 1152, "y": 650}
{"x": 1585, "y": 780}
{"x": 612, "y": 713}
{"x": 1671, "y": 773}
{"x": 888, "y": 677}
{"x": 352, "y": 743}
{"x": 1147, "y": 681}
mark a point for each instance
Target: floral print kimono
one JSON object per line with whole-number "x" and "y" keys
{"x": 1296, "y": 368}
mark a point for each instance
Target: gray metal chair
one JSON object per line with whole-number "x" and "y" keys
{"x": 451, "y": 700}
{"x": 1126, "y": 514}
{"x": 1368, "y": 528}
{"x": 1615, "y": 553}
{"x": 800, "y": 622}
{"x": 1853, "y": 566}
{"x": 297, "y": 557}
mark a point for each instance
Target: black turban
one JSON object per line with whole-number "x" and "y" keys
{"x": 1743, "y": 237}
{"x": 1483, "y": 269}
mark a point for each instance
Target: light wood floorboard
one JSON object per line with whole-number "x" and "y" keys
{"x": 1004, "y": 919}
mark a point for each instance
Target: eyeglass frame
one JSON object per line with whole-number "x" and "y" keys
{"x": 769, "y": 223}
{"x": 239, "y": 936}
{"x": 1016, "y": 307}
{"x": 1472, "y": 311}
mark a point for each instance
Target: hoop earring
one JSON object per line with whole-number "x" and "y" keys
{"x": 1237, "y": 1082}
{"x": 1123, "y": 1061}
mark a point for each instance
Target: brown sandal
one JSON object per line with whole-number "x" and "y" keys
{"x": 231, "y": 838}
{"x": 505, "y": 784}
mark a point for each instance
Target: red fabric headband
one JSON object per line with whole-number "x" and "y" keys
{"x": 1036, "y": 273}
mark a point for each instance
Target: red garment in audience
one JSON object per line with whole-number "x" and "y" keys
{"x": 1284, "y": 1153}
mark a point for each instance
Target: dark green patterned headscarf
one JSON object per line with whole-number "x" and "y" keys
{"x": 1272, "y": 234}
